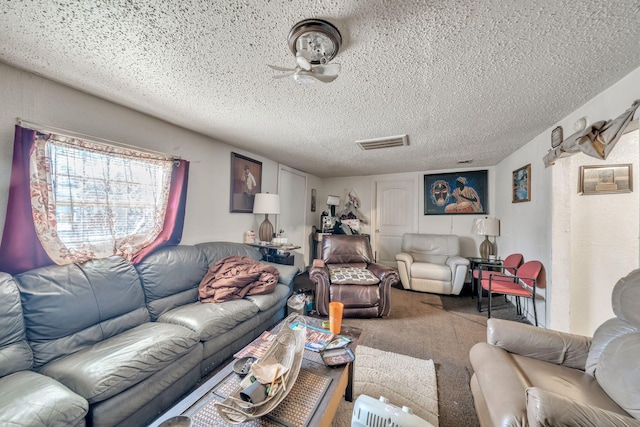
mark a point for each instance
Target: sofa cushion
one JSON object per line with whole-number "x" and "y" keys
{"x": 31, "y": 399}
{"x": 117, "y": 363}
{"x": 433, "y": 248}
{"x": 426, "y": 270}
{"x": 215, "y": 251}
{"x": 618, "y": 373}
{"x": 70, "y": 307}
{"x": 15, "y": 354}
{"x": 170, "y": 277}
{"x": 266, "y": 301}
{"x": 209, "y": 320}
{"x": 352, "y": 276}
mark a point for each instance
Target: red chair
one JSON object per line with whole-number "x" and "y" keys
{"x": 508, "y": 266}
{"x": 523, "y": 284}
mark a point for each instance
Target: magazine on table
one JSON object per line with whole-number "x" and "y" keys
{"x": 258, "y": 347}
{"x": 317, "y": 338}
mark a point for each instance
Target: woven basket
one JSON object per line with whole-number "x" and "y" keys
{"x": 288, "y": 349}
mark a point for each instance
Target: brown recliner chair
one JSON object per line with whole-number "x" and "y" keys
{"x": 347, "y": 273}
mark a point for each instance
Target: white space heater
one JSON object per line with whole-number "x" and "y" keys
{"x": 369, "y": 412}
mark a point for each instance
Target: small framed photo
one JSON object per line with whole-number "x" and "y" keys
{"x": 521, "y": 184}
{"x": 313, "y": 200}
{"x": 246, "y": 181}
{"x": 605, "y": 179}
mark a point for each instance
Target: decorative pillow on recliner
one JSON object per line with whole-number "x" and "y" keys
{"x": 352, "y": 276}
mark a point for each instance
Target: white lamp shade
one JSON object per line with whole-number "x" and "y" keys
{"x": 265, "y": 203}
{"x": 333, "y": 200}
{"x": 486, "y": 227}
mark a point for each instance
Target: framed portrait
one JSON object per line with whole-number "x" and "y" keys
{"x": 606, "y": 179}
{"x": 313, "y": 200}
{"x": 521, "y": 184}
{"x": 246, "y": 181}
{"x": 456, "y": 193}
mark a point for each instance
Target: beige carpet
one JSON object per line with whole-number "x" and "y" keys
{"x": 404, "y": 380}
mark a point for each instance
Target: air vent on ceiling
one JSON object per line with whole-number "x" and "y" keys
{"x": 386, "y": 142}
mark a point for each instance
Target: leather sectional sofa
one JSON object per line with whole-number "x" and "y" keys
{"x": 525, "y": 375}
{"x": 107, "y": 343}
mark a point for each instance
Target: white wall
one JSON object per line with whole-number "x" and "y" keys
{"x": 584, "y": 256}
{"x": 43, "y": 101}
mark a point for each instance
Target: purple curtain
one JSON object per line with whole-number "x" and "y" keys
{"x": 171, "y": 233}
{"x": 20, "y": 249}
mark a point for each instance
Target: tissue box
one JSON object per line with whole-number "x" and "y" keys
{"x": 353, "y": 223}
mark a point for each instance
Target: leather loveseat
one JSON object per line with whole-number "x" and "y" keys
{"x": 432, "y": 263}
{"x": 117, "y": 342}
{"x": 525, "y": 375}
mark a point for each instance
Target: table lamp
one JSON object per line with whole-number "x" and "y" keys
{"x": 486, "y": 227}
{"x": 266, "y": 204}
{"x": 333, "y": 201}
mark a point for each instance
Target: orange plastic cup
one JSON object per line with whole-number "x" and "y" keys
{"x": 335, "y": 316}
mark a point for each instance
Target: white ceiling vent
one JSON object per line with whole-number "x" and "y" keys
{"x": 386, "y": 142}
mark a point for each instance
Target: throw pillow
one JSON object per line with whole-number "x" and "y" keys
{"x": 352, "y": 276}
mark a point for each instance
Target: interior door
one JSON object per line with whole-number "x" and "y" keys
{"x": 396, "y": 208}
{"x": 292, "y": 187}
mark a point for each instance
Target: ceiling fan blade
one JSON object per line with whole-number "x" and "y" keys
{"x": 325, "y": 78}
{"x": 275, "y": 67}
{"x": 282, "y": 76}
{"x": 303, "y": 62}
{"x": 327, "y": 69}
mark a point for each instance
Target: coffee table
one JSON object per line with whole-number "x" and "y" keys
{"x": 313, "y": 400}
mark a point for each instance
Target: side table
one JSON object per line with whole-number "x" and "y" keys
{"x": 486, "y": 264}
{"x": 274, "y": 253}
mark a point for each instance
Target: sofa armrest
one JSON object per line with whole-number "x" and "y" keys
{"x": 459, "y": 267}
{"x": 286, "y": 274}
{"x": 543, "y": 344}
{"x": 388, "y": 278}
{"x": 319, "y": 274}
{"x": 404, "y": 268}
{"x": 546, "y": 408}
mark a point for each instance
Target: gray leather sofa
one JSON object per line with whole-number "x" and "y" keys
{"x": 120, "y": 343}
{"x": 525, "y": 375}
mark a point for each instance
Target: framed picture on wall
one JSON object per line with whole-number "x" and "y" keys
{"x": 456, "y": 193}
{"x": 521, "y": 184}
{"x": 246, "y": 181}
{"x": 605, "y": 179}
{"x": 313, "y": 200}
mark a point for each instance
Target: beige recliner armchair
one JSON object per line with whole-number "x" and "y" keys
{"x": 432, "y": 263}
{"x": 525, "y": 375}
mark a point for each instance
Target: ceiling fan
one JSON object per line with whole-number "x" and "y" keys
{"x": 314, "y": 42}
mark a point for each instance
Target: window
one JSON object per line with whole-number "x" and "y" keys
{"x": 93, "y": 200}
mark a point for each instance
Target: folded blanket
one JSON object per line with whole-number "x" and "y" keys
{"x": 234, "y": 277}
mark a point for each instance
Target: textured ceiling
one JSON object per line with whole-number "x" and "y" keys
{"x": 466, "y": 80}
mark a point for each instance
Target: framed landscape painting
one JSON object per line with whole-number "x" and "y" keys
{"x": 456, "y": 193}
{"x": 246, "y": 181}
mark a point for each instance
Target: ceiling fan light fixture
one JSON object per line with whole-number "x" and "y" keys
{"x": 318, "y": 39}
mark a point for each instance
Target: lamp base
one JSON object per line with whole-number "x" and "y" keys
{"x": 266, "y": 230}
{"x": 487, "y": 248}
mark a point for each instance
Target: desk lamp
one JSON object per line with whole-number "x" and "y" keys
{"x": 266, "y": 204}
{"x": 486, "y": 227}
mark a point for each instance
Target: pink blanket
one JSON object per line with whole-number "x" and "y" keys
{"x": 234, "y": 277}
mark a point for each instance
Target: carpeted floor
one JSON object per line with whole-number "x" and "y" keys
{"x": 404, "y": 380}
{"x": 436, "y": 327}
